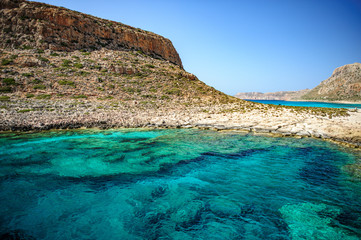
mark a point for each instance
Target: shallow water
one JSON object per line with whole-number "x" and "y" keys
{"x": 175, "y": 184}
{"x": 308, "y": 104}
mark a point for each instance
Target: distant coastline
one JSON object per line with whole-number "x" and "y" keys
{"x": 340, "y": 101}
{"x": 300, "y": 103}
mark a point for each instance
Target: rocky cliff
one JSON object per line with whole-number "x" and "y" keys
{"x": 26, "y": 24}
{"x": 282, "y": 95}
{"x": 344, "y": 84}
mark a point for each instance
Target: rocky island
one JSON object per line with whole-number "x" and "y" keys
{"x": 63, "y": 69}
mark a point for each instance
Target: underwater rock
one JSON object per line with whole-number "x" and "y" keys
{"x": 159, "y": 191}
{"x": 16, "y": 235}
{"x": 188, "y": 214}
{"x": 313, "y": 221}
{"x": 224, "y": 207}
{"x": 318, "y": 171}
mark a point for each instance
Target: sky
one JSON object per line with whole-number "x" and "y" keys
{"x": 246, "y": 45}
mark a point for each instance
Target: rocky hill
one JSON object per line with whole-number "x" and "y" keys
{"x": 55, "y": 53}
{"x": 26, "y": 24}
{"x": 282, "y": 95}
{"x": 344, "y": 84}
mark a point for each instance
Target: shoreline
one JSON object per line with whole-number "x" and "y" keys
{"x": 218, "y": 128}
{"x": 324, "y": 101}
{"x": 300, "y": 100}
{"x": 258, "y": 119}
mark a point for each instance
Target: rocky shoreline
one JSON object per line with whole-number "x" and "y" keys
{"x": 71, "y": 114}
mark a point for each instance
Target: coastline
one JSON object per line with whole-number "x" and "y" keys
{"x": 324, "y": 101}
{"x": 300, "y": 100}
{"x": 276, "y": 121}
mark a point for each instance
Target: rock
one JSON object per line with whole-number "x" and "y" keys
{"x": 344, "y": 84}
{"x": 48, "y": 27}
{"x": 187, "y": 214}
{"x": 224, "y": 207}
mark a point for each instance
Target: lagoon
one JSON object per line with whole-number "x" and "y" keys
{"x": 175, "y": 184}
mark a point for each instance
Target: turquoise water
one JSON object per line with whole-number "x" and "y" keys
{"x": 175, "y": 184}
{"x": 308, "y": 104}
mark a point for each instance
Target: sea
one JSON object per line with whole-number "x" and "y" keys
{"x": 175, "y": 184}
{"x": 308, "y": 104}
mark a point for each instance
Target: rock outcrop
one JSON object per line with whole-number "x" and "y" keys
{"x": 27, "y": 24}
{"x": 344, "y": 84}
{"x": 282, "y": 95}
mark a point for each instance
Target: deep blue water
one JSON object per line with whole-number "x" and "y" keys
{"x": 307, "y": 104}
{"x": 175, "y": 184}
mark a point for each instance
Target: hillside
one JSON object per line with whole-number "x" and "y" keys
{"x": 343, "y": 85}
{"x": 282, "y": 95}
{"x": 54, "y": 53}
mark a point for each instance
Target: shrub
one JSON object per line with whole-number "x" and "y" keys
{"x": 54, "y": 54}
{"x": 149, "y": 65}
{"x": 9, "y": 81}
{"x": 40, "y": 51}
{"x": 5, "y": 89}
{"x": 78, "y": 65}
{"x": 37, "y": 81}
{"x": 29, "y": 95}
{"x": 80, "y": 96}
{"x": 164, "y": 97}
{"x": 129, "y": 90}
{"x": 84, "y": 74}
{"x": 148, "y": 96}
{"x": 27, "y": 47}
{"x": 24, "y": 17}
{"x": 6, "y": 61}
{"x": 66, "y": 63}
{"x": 4, "y": 98}
{"x": 174, "y": 91}
{"x": 40, "y": 86}
{"x": 28, "y": 75}
{"x": 66, "y": 82}
{"x": 43, "y": 96}
{"x": 43, "y": 59}
{"x": 25, "y": 110}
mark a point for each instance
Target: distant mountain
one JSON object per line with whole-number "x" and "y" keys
{"x": 282, "y": 95}
{"x": 344, "y": 84}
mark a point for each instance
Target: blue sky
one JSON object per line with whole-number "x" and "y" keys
{"x": 246, "y": 45}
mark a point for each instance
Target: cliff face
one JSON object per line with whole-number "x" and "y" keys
{"x": 27, "y": 24}
{"x": 344, "y": 84}
{"x": 282, "y": 95}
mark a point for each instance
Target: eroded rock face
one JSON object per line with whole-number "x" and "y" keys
{"x": 344, "y": 84}
{"x": 43, "y": 26}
